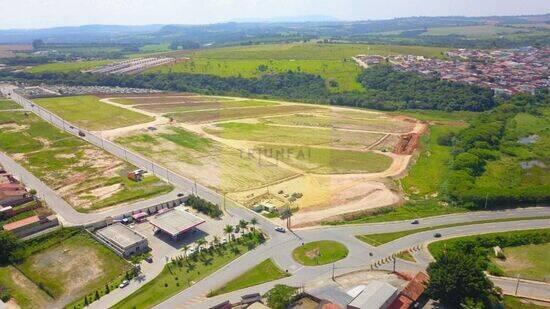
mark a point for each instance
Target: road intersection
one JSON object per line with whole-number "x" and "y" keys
{"x": 280, "y": 245}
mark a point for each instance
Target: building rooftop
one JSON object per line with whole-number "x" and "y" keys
{"x": 175, "y": 221}
{"x": 375, "y": 295}
{"x": 120, "y": 235}
{"x": 17, "y": 224}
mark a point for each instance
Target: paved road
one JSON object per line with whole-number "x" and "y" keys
{"x": 525, "y": 288}
{"x": 280, "y": 251}
{"x": 280, "y": 246}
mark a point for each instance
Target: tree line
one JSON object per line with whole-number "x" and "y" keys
{"x": 386, "y": 88}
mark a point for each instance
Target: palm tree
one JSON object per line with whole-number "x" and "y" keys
{"x": 201, "y": 242}
{"x": 253, "y": 221}
{"x": 216, "y": 241}
{"x": 228, "y": 230}
{"x": 185, "y": 248}
{"x": 243, "y": 224}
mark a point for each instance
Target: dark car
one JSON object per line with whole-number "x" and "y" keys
{"x": 415, "y": 222}
{"x": 180, "y": 194}
{"x": 149, "y": 259}
{"x": 81, "y": 134}
{"x": 437, "y": 235}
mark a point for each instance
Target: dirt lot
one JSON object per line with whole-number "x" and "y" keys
{"x": 232, "y": 133}
{"x": 9, "y": 50}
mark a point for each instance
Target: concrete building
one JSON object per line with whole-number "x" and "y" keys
{"x": 175, "y": 221}
{"x": 375, "y": 295}
{"x": 123, "y": 240}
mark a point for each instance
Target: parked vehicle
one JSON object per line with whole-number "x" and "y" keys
{"x": 123, "y": 284}
{"x": 415, "y": 222}
{"x": 437, "y": 235}
{"x": 280, "y": 229}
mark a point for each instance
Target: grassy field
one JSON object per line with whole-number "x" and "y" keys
{"x": 68, "y": 66}
{"x": 511, "y": 302}
{"x": 472, "y": 31}
{"x": 259, "y": 132}
{"x": 209, "y": 162}
{"x": 264, "y": 272}
{"x": 8, "y": 104}
{"x": 207, "y": 104}
{"x": 529, "y": 262}
{"x": 320, "y": 253}
{"x": 438, "y": 247}
{"x": 91, "y": 114}
{"x": 85, "y": 176}
{"x": 177, "y": 276}
{"x": 331, "y": 61}
{"x": 383, "y": 238}
{"x": 405, "y": 256}
{"x": 326, "y": 160}
{"x": 61, "y": 267}
{"x": 238, "y": 113}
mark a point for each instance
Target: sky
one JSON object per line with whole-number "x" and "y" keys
{"x": 52, "y": 13}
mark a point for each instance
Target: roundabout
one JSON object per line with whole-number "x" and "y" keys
{"x": 320, "y": 253}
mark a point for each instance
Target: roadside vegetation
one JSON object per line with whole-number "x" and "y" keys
{"x": 266, "y": 271}
{"x": 184, "y": 271}
{"x": 524, "y": 247}
{"x": 91, "y": 114}
{"x": 320, "y": 253}
{"x": 383, "y": 238}
{"x": 8, "y": 104}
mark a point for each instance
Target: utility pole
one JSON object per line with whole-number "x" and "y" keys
{"x": 332, "y": 271}
{"x": 517, "y": 286}
{"x": 394, "y": 261}
{"x": 486, "y": 197}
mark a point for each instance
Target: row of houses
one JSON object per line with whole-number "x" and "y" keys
{"x": 12, "y": 194}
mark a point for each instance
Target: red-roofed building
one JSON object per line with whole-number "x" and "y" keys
{"x": 31, "y": 225}
{"x": 411, "y": 293}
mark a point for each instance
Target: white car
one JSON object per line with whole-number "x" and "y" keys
{"x": 280, "y": 229}
{"x": 124, "y": 284}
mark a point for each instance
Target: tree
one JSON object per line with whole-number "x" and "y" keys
{"x": 254, "y": 221}
{"x": 36, "y": 44}
{"x": 8, "y": 244}
{"x": 228, "y": 230}
{"x": 200, "y": 243}
{"x": 216, "y": 241}
{"x": 456, "y": 277}
{"x": 243, "y": 224}
{"x": 185, "y": 248}
{"x": 280, "y": 297}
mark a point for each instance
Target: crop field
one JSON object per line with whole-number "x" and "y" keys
{"x": 64, "y": 67}
{"x": 61, "y": 267}
{"x": 330, "y": 61}
{"x": 89, "y": 113}
{"x": 314, "y": 157}
{"x": 84, "y": 175}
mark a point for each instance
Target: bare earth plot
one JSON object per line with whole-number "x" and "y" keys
{"x": 84, "y": 175}
{"x": 319, "y": 160}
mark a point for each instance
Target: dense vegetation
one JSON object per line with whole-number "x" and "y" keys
{"x": 380, "y": 94}
{"x": 413, "y": 91}
{"x": 457, "y": 280}
{"x": 203, "y": 206}
{"x": 492, "y": 166}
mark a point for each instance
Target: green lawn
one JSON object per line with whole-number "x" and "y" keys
{"x": 529, "y": 262}
{"x": 511, "y": 302}
{"x": 472, "y": 31}
{"x": 90, "y": 113}
{"x": 331, "y": 61}
{"x": 326, "y": 160}
{"x": 8, "y": 104}
{"x": 383, "y": 238}
{"x": 264, "y": 272}
{"x": 320, "y": 253}
{"x": 68, "y": 66}
{"x": 177, "y": 276}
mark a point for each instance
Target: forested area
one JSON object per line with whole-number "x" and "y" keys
{"x": 503, "y": 157}
{"x": 413, "y": 91}
{"x": 386, "y": 89}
